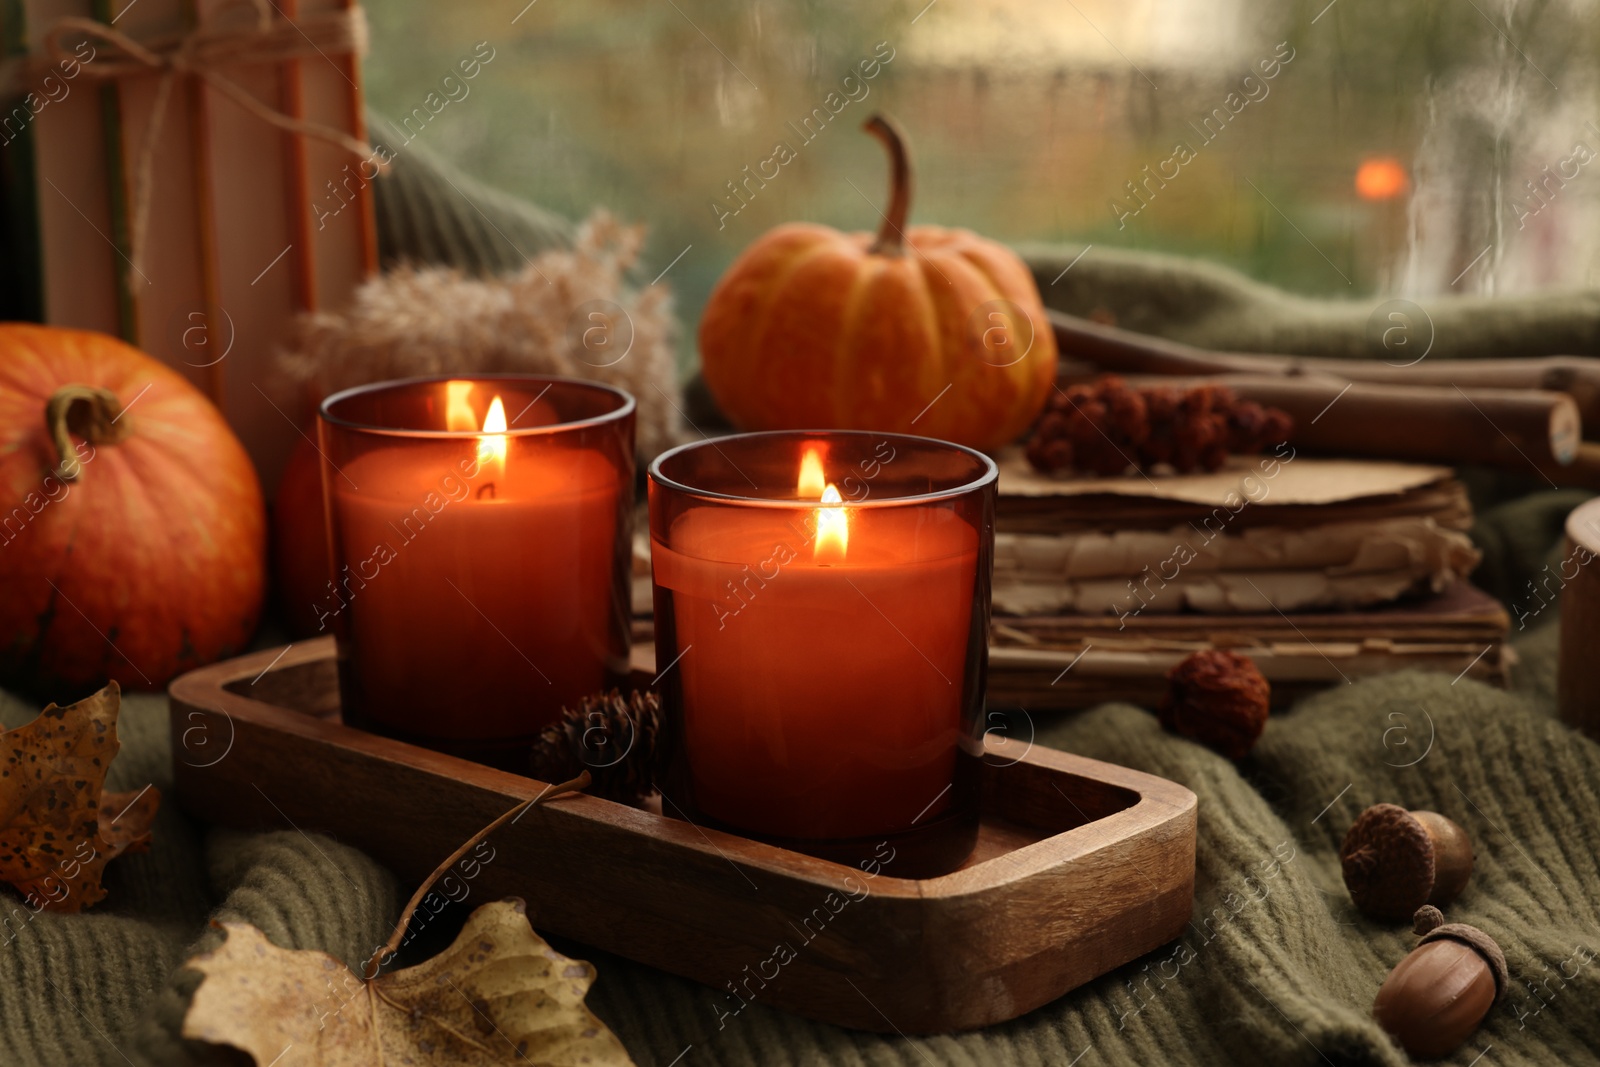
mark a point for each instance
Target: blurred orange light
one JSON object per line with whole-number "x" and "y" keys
{"x": 1382, "y": 178}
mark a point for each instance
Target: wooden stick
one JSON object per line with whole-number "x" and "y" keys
{"x": 1512, "y": 428}
{"x": 1126, "y": 352}
{"x": 1582, "y": 473}
{"x": 1576, "y": 579}
{"x": 1527, "y": 430}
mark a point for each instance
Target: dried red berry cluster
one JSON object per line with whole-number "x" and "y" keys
{"x": 1107, "y": 426}
{"x": 1218, "y": 698}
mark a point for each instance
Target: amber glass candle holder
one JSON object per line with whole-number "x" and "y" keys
{"x": 822, "y": 623}
{"x": 480, "y": 533}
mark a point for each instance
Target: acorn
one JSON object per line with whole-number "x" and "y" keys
{"x": 1437, "y": 996}
{"x": 1396, "y": 860}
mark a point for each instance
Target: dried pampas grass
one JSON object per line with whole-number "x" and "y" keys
{"x": 567, "y": 312}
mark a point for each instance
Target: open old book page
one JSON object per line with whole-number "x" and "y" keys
{"x": 1267, "y": 490}
{"x": 1291, "y": 480}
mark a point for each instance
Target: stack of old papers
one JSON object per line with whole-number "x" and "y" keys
{"x": 1322, "y": 570}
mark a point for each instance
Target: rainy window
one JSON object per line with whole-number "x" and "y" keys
{"x": 1333, "y": 148}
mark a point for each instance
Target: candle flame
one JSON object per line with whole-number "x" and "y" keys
{"x": 833, "y": 524}
{"x": 833, "y": 528}
{"x": 458, "y": 409}
{"x": 811, "y": 477}
{"x": 492, "y": 446}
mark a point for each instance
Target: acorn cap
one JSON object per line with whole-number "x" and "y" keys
{"x": 1429, "y": 922}
{"x": 1388, "y": 862}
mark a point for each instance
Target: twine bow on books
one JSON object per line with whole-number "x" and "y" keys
{"x": 202, "y": 53}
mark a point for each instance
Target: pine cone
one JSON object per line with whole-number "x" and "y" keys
{"x": 614, "y": 738}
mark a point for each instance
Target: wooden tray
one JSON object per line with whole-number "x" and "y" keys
{"x": 1081, "y": 866}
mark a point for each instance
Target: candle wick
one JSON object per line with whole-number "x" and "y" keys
{"x": 487, "y": 488}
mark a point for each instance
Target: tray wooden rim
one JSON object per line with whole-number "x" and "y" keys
{"x": 1159, "y": 799}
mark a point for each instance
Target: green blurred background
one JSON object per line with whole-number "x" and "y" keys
{"x": 1027, "y": 118}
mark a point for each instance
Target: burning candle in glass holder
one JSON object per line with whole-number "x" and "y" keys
{"x": 480, "y": 533}
{"x": 822, "y": 612}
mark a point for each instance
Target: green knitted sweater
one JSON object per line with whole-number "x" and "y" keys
{"x": 1276, "y": 969}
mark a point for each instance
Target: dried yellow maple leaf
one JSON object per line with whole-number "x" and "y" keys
{"x": 58, "y": 826}
{"x": 499, "y": 995}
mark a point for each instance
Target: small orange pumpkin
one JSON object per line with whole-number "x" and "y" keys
{"x": 132, "y": 529}
{"x": 932, "y": 331}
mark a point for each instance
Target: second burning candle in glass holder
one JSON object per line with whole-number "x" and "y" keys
{"x": 822, "y": 615}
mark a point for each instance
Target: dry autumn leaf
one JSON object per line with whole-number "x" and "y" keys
{"x": 498, "y": 995}
{"x": 58, "y": 827}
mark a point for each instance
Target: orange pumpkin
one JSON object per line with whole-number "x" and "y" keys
{"x": 931, "y": 331}
{"x": 132, "y": 529}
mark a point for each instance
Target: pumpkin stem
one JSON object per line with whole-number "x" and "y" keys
{"x": 88, "y": 411}
{"x": 891, "y": 240}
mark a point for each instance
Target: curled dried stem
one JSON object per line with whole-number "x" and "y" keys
{"x": 574, "y": 785}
